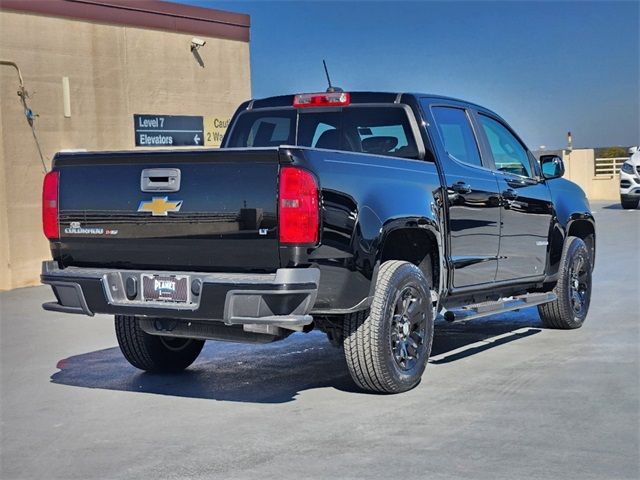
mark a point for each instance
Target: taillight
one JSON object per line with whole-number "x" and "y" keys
{"x": 298, "y": 206}
{"x": 50, "y": 205}
{"x": 329, "y": 99}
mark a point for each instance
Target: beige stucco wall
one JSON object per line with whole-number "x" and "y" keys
{"x": 114, "y": 72}
{"x": 579, "y": 168}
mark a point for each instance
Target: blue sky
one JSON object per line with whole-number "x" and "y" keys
{"x": 547, "y": 67}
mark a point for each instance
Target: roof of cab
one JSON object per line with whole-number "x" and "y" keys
{"x": 356, "y": 97}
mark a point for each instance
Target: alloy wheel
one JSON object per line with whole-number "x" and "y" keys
{"x": 408, "y": 328}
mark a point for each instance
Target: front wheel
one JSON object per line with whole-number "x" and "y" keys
{"x": 154, "y": 353}
{"x": 388, "y": 348}
{"x": 573, "y": 289}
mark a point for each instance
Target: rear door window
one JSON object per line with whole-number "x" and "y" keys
{"x": 457, "y": 135}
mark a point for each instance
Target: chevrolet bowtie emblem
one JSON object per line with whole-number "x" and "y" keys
{"x": 160, "y": 206}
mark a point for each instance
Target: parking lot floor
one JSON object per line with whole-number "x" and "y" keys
{"x": 502, "y": 397}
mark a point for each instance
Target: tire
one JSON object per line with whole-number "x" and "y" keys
{"x": 380, "y": 345}
{"x": 154, "y": 353}
{"x": 629, "y": 203}
{"x": 573, "y": 289}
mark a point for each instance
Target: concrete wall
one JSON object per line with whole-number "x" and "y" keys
{"x": 579, "y": 166}
{"x": 114, "y": 71}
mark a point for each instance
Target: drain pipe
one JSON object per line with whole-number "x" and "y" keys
{"x": 28, "y": 113}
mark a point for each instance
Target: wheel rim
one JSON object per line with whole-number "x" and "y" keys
{"x": 579, "y": 284}
{"x": 408, "y": 328}
{"x": 175, "y": 344}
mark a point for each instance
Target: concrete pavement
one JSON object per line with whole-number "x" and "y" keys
{"x": 503, "y": 398}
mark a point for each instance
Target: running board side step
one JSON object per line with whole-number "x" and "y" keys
{"x": 485, "y": 309}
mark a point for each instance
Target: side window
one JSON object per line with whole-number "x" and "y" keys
{"x": 457, "y": 135}
{"x": 536, "y": 165}
{"x": 508, "y": 153}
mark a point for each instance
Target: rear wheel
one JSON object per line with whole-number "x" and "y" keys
{"x": 154, "y": 353}
{"x": 387, "y": 348}
{"x": 573, "y": 288}
{"x": 629, "y": 203}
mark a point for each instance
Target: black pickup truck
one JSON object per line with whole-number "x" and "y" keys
{"x": 363, "y": 215}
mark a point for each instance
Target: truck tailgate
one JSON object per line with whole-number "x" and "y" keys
{"x": 223, "y": 216}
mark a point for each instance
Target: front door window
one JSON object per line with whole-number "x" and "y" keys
{"x": 509, "y": 155}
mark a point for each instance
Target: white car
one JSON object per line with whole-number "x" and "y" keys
{"x": 630, "y": 180}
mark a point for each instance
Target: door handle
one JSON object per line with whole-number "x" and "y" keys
{"x": 509, "y": 194}
{"x": 160, "y": 180}
{"x": 521, "y": 182}
{"x": 461, "y": 187}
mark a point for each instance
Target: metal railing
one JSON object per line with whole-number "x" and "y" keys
{"x": 607, "y": 167}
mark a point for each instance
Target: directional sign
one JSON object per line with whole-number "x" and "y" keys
{"x": 214, "y": 128}
{"x": 168, "y": 130}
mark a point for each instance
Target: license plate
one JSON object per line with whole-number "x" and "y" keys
{"x": 165, "y": 288}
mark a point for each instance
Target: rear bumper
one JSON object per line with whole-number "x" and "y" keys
{"x": 284, "y": 298}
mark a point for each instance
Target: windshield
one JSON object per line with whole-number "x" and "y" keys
{"x": 376, "y": 130}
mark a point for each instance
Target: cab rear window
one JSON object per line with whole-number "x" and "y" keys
{"x": 375, "y": 130}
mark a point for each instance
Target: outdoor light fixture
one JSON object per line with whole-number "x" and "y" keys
{"x": 196, "y": 43}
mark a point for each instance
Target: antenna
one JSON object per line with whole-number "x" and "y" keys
{"x": 331, "y": 88}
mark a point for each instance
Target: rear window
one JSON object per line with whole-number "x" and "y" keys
{"x": 376, "y": 130}
{"x": 258, "y": 129}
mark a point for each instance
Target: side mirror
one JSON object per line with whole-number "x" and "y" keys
{"x": 552, "y": 166}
